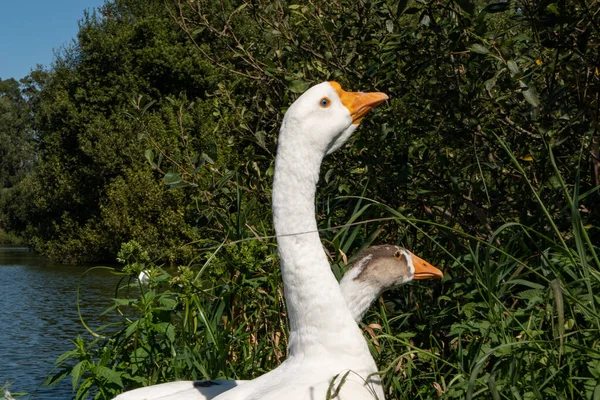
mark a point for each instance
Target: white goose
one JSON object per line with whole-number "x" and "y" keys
{"x": 324, "y": 340}
{"x": 375, "y": 270}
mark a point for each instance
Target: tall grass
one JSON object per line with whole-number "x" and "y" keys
{"x": 516, "y": 316}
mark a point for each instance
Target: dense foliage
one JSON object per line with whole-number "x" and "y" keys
{"x": 160, "y": 125}
{"x": 16, "y": 144}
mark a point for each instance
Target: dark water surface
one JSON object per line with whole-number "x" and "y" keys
{"x": 38, "y": 317}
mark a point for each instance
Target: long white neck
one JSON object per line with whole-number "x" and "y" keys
{"x": 319, "y": 318}
{"x": 358, "y": 294}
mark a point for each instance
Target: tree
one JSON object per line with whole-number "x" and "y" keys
{"x": 87, "y": 134}
{"x": 16, "y": 134}
{"x": 16, "y": 144}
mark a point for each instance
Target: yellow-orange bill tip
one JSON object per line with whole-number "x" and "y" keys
{"x": 359, "y": 103}
{"x": 424, "y": 270}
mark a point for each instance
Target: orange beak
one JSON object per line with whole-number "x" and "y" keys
{"x": 358, "y": 103}
{"x": 424, "y": 270}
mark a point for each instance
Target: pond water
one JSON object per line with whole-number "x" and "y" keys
{"x": 38, "y": 317}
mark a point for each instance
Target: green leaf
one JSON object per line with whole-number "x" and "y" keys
{"x": 553, "y": 9}
{"x": 298, "y": 86}
{"x": 493, "y": 389}
{"x": 596, "y": 395}
{"x": 328, "y": 174}
{"x": 141, "y": 353}
{"x": 108, "y": 374}
{"x": 389, "y": 25}
{"x": 170, "y": 333}
{"x": 84, "y": 389}
{"x": 66, "y": 355}
{"x": 124, "y": 302}
{"x": 207, "y": 158}
{"x": 132, "y": 328}
{"x": 521, "y": 37}
{"x": 525, "y": 283}
{"x": 77, "y": 373}
{"x": 328, "y": 26}
{"x": 148, "y": 105}
{"x": 496, "y": 7}
{"x": 171, "y": 178}
{"x": 149, "y": 154}
{"x": 513, "y": 67}
{"x": 478, "y": 48}
{"x": 560, "y": 310}
{"x": 554, "y": 181}
{"x": 168, "y": 302}
{"x": 490, "y": 83}
{"x": 260, "y": 139}
{"x": 531, "y": 96}
{"x": 344, "y": 188}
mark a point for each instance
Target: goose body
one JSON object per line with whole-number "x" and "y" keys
{"x": 181, "y": 390}
{"x": 374, "y": 270}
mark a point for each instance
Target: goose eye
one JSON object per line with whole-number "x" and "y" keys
{"x": 398, "y": 254}
{"x": 325, "y": 102}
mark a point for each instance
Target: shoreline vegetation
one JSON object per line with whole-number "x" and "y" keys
{"x": 151, "y": 140}
{"x": 8, "y": 238}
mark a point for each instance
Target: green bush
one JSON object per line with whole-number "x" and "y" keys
{"x": 191, "y": 323}
{"x": 9, "y": 238}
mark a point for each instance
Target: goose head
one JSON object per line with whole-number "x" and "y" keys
{"x": 388, "y": 266}
{"x": 324, "y": 117}
{"x": 380, "y": 268}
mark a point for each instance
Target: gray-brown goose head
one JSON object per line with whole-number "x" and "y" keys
{"x": 377, "y": 269}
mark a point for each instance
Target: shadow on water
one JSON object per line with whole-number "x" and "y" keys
{"x": 38, "y": 316}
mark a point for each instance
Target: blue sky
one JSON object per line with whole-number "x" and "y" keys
{"x": 31, "y": 29}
